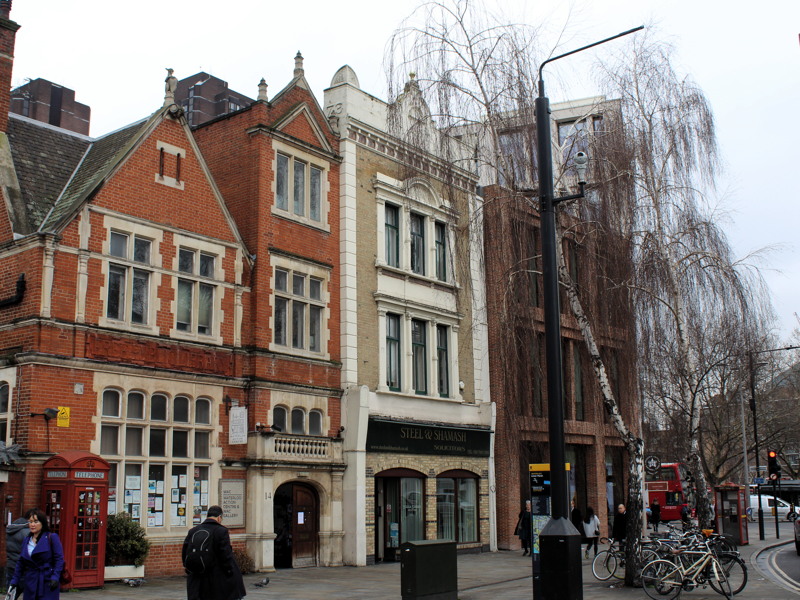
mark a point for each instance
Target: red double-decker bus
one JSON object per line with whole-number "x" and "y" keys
{"x": 673, "y": 487}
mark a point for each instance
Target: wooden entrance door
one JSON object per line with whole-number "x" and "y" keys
{"x": 304, "y": 526}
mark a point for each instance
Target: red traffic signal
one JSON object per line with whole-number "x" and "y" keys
{"x": 773, "y": 468}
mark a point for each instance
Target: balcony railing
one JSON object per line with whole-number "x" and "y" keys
{"x": 287, "y": 447}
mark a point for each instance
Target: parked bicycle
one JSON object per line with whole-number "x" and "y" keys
{"x": 692, "y": 567}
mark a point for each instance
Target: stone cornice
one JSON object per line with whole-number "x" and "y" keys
{"x": 414, "y": 157}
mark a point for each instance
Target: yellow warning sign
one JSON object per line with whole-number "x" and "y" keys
{"x": 63, "y": 416}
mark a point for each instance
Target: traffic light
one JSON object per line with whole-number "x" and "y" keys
{"x": 773, "y": 468}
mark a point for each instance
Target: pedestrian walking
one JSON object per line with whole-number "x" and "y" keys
{"x": 208, "y": 559}
{"x": 41, "y": 560}
{"x": 576, "y": 517}
{"x": 591, "y": 530}
{"x": 620, "y": 524}
{"x": 524, "y": 529}
{"x": 16, "y": 533}
{"x": 655, "y": 514}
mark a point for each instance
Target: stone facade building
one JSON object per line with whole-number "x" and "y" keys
{"x": 416, "y": 408}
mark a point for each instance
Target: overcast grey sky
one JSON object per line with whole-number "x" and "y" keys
{"x": 745, "y": 57}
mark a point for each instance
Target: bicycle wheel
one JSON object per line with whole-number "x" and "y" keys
{"x": 662, "y": 580}
{"x": 718, "y": 579}
{"x": 735, "y": 572}
{"x": 649, "y": 555}
{"x": 619, "y": 571}
{"x": 604, "y": 565}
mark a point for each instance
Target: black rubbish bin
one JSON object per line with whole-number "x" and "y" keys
{"x": 429, "y": 570}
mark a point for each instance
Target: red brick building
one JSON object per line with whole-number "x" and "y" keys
{"x": 179, "y": 309}
{"x": 515, "y": 312}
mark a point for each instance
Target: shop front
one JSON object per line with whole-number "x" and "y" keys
{"x": 426, "y": 481}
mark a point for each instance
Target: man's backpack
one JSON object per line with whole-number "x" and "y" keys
{"x": 200, "y": 553}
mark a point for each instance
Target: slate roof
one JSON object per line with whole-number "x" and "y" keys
{"x": 103, "y": 156}
{"x": 45, "y": 158}
{"x": 59, "y": 169}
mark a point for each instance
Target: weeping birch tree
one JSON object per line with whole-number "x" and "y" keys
{"x": 685, "y": 280}
{"x": 480, "y": 79}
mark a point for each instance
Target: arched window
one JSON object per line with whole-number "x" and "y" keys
{"x": 158, "y": 407}
{"x": 110, "y": 403}
{"x": 135, "y": 409}
{"x": 279, "y": 418}
{"x": 457, "y": 506}
{"x": 160, "y": 452}
{"x": 298, "y": 420}
{"x": 314, "y": 422}
{"x": 202, "y": 411}
{"x": 180, "y": 409}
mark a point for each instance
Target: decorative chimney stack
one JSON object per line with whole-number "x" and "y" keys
{"x": 8, "y": 35}
{"x": 262, "y": 90}
{"x": 298, "y": 64}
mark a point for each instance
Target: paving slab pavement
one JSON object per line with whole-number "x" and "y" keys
{"x": 487, "y": 576}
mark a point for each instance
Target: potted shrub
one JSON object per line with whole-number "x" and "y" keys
{"x": 127, "y": 547}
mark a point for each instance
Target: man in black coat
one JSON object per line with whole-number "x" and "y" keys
{"x": 620, "y": 525}
{"x": 222, "y": 580}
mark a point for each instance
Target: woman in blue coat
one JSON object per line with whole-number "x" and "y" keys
{"x": 41, "y": 560}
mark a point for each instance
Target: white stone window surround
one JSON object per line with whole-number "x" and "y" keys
{"x": 170, "y": 388}
{"x": 308, "y": 403}
{"x": 8, "y": 376}
{"x": 419, "y": 199}
{"x": 132, "y": 230}
{"x": 432, "y": 318}
{"x": 309, "y": 159}
{"x": 218, "y": 316}
{"x": 311, "y": 271}
{"x": 171, "y": 166}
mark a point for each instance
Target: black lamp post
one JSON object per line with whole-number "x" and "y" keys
{"x": 559, "y": 541}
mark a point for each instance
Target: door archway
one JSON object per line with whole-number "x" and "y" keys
{"x": 296, "y": 514}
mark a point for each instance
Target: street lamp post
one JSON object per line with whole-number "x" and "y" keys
{"x": 559, "y": 541}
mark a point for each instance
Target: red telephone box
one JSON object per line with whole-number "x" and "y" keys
{"x": 731, "y": 518}
{"x": 75, "y": 499}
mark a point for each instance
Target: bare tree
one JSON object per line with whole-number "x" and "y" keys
{"x": 685, "y": 279}
{"x": 480, "y": 79}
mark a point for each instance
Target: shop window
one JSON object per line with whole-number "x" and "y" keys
{"x": 457, "y": 506}
{"x": 109, "y": 439}
{"x": 151, "y": 444}
{"x": 133, "y": 441}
